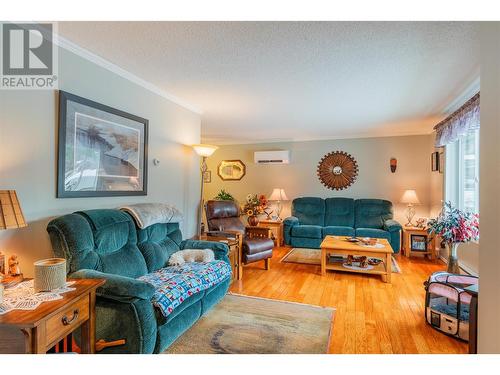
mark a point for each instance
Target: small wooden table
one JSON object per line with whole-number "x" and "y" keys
{"x": 37, "y": 331}
{"x": 415, "y": 233}
{"x": 234, "y": 251}
{"x": 339, "y": 245}
{"x": 276, "y": 228}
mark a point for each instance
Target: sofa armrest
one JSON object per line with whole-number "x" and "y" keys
{"x": 291, "y": 221}
{"x": 220, "y": 249}
{"x": 118, "y": 288}
{"x": 392, "y": 226}
{"x": 288, "y": 224}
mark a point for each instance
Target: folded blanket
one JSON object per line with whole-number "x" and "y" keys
{"x": 175, "y": 284}
{"x": 146, "y": 214}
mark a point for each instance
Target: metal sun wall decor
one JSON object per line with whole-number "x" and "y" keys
{"x": 337, "y": 170}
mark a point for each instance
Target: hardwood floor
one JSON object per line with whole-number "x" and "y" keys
{"x": 371, "y": 316}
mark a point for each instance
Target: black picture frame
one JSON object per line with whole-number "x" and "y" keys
{"x": 142, "y": 124}
{"x": 435, "y": 161}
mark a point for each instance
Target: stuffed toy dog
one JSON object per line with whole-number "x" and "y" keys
{"x": 191, "y": 255}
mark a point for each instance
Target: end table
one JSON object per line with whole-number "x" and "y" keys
{"x": 418, "y": 241}
{"x": 276, "y": 228}
{"x": 37, "y": 331}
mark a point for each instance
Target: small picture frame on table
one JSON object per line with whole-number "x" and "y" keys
{"x": 418, "y": 242}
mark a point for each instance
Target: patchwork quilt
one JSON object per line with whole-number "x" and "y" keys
{"x": 176, "y": 283}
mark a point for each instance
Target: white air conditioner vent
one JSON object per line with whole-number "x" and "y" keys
{"x": 272, "y": 157}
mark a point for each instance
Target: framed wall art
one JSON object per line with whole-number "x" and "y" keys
{"x": 207, "y": 177}
{"x": 102, "y": 151}
{"x": 435, "y": 161}
{"x": 231, "y": 170}
{"x": 337, "y": 170}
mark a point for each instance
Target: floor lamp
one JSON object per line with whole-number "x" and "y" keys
{"x": 204, "y": 151}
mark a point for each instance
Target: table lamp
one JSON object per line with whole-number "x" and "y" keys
{"x": 11, "y": 217}
{"x": 278, "y": 195}
{"x": 204, "y": 151}
{"x": 410, "y": 198}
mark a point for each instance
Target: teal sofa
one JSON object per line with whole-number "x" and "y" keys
{"x": 314, "y": 218}
{"x": 106, "y": 244}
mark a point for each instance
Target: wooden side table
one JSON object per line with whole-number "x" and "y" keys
{"x": 418, "y": 241}
{"x": 276, "y": 228}
{"x": 37, "y": 331}
{"x": 234, "y": 251}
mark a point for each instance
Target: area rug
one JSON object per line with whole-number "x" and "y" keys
{"x": 312, "y": 256}
{"x": 251, "y": 325}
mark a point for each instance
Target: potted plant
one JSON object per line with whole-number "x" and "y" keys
{"x": 224, "y": 196}
{"x": 454, "y": 227}
{"x": 254, "y": 206}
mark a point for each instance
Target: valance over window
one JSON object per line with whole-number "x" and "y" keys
{"x": 459, "y": 123}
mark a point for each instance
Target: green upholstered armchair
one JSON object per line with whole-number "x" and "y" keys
{"x": 106, "y": 244}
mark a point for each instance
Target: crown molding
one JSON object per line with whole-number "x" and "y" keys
{"x": 468, "y": 92}
{"x": 100, "y": 61}
{"x": 218, "y": 142}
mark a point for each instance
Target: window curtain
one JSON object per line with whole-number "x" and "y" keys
{"x": 459, "y": 123}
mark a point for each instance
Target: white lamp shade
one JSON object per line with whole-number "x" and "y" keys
{"x": 410, "y": 197}
{"x": 205, "y": 150}
{"x": 278, "y": 195}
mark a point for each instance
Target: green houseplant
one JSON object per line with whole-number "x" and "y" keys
{"x": 224, "y": 196}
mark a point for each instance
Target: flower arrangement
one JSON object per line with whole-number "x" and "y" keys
{"x": 454, "y": 227}
{"x": 255, "y": 205}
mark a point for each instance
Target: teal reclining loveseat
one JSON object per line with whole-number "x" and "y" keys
{"x": 314, "y": 218}
{"x": 107, "y": 244}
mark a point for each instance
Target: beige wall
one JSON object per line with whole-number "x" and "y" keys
{"x": 489, "y": 254}
{"x": 28, "y": 152}
{"x": 299, "y": 178}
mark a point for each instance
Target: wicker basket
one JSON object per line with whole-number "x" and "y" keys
{"x": 50, "y": 274}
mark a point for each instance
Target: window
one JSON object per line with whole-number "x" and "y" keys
{"x": 462, "y": 172}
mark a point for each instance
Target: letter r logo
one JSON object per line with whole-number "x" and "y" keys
{"x": 27, "y": 49}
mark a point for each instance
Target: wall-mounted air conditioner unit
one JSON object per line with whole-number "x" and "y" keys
{"x": 272, "y": 157}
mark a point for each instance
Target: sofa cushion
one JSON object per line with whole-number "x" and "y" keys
{"x": 374, "y": 233}
{"x": 307, "y": 231}
{"x": 338, "y": 231}
{"x": 103, "y": 240}
{"x": 175, "y": 284}
{"x": 309, "y": 210}
{"x": 372, "y": 213}
{"x": 157, "y": 243}
{"x": 339, "y": 212}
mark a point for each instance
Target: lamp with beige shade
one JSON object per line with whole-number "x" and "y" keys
{"x": 278, "y": 195}
{"x": 410, "y": 198}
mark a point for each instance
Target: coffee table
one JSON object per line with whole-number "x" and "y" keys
{"x": 340, "y": 246}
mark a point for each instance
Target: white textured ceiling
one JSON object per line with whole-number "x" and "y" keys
{"x": 265, "y": 81}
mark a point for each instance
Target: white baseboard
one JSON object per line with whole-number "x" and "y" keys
{"x": 463, "y": 267}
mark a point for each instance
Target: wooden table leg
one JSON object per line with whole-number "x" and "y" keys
{"x": 388, "y": 268}
{"x": 323, "y": 262}
{"x": 88, "y": 328}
